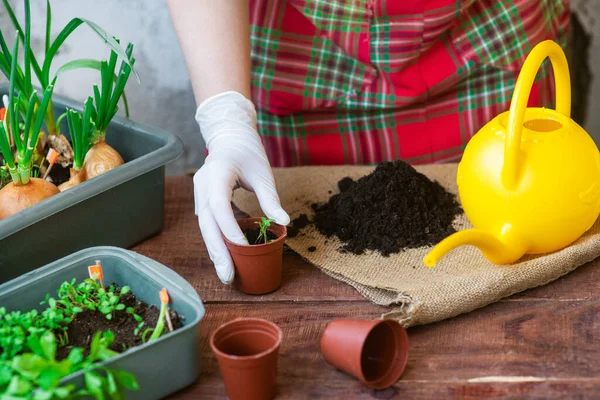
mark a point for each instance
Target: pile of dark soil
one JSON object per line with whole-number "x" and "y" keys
{"x": 297, "y": 224}
{"x": 393, "y": 208}
{"x": 83, "y": 327}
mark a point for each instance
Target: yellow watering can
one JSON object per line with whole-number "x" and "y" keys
{"x": 529, "y": 180}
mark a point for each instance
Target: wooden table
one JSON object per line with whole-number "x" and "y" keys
{"x": 543, "y": 343}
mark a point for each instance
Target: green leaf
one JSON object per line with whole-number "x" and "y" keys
{"x": 29, "y": 365}
{"x": 113, "y": 44}
{"x": 94, "y": 383}
{"x": 120, "y": 307}
{"x": 105, "y": 309}
{"x": 41, "y": 394}
{"x": 50, "y": 377}
{"x": 64, "y": 392}
{"x": 125, "y": 290}
{"x": 108, "y": 338}
{"x": 48, "y": 24}
{"x": 75, "y": 355}
{"x": 79, "y": 64}
{"x": 70, "y": 28}
{"x": 114, "y": 389}
{"x": 34, "y": 344}
{"x": 77, "y": 310}
{"x": 95, "y": 346}
{"x": 5, "y": 374}
{"x": 48, "y": 343}
{"x": 19, "y": 386}
{"x": 21, "y": 35}
{"x": 126, "y": 379}
{"x": 27, "y": 46}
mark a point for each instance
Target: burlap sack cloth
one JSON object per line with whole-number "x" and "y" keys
{"x": 463, "y": 280}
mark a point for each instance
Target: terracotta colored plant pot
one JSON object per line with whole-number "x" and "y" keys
{"x": 247, "y": 350}
{"x": 373, "y": 351}
{"x": 258, "y": 267}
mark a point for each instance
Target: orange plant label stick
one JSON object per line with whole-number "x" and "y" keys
{"x": 164, "y": 296}
{"x": 52, "y": 156}
{"x": 95, "y": 272}
{"x": 2, "y": 113}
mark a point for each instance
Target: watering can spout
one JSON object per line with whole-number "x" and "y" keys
{"x": 495, "y": 250}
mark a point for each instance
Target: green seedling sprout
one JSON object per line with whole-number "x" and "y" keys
{"x": 163, "y": 316}
{"x": 26, "y": 139}
{"x": 23, "y": 80}
{"x": 110, "y": 92}
{"x": 81, "y": 128}
{"x": 263, "y": 226}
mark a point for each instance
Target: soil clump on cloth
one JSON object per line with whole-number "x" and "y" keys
{"x": 392, "y": 209}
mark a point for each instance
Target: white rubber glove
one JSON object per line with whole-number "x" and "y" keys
{"x": 236, "y": 158}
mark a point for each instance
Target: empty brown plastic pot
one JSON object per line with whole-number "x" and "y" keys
{"x": 247, "y": 350}
{"x": 374, "y": 351}
{"x": 258, "y": 268}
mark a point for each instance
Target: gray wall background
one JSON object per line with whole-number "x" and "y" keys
{"x": 164, "y": 98}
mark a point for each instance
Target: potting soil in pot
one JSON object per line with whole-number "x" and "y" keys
{"x": 393, "y": 208}
{"x": 254, "y": 237}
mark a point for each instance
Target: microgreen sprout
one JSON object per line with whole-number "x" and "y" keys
{"x": 263, "y": 226}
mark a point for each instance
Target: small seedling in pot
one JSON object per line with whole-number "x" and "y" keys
{"x": 263, "y": 226}
{"x": 164, "y": 316}
{"x": 131, "y": 310}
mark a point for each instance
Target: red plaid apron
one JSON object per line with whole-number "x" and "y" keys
{"x": 363, "y": 81}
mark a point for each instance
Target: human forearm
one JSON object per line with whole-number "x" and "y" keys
{"x": 215, "y": 39}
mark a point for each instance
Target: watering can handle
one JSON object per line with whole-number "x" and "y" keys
{"x": 520, "y": 97}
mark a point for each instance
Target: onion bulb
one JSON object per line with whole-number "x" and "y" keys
{"x": 100, "y": 159}
{"x": 15, "y": 198}
{"x": 76, "y": 178}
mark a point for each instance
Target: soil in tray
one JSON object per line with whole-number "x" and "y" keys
{"x": 393, "y": 208}
{"x": 122, "y": 325}
{"x": 59, "y": 174}
{"x": 253, "y": 236}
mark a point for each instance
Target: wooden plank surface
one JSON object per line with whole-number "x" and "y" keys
{"x": 540, "y": 344}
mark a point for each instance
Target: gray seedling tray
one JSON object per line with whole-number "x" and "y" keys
{"x": 119, "y": 208}
{"x": 164, "y": 366}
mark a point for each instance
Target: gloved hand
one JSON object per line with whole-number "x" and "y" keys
{"x": 236, "y": 157}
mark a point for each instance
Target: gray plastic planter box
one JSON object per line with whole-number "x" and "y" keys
{"x": 119, "y": 208}
{"x": 162, "y": 367}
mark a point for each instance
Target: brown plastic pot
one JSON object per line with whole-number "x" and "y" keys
{"x": 247, "y": 350}
{"x": 373, "y": 351}
{"x": 258, "y": 268}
